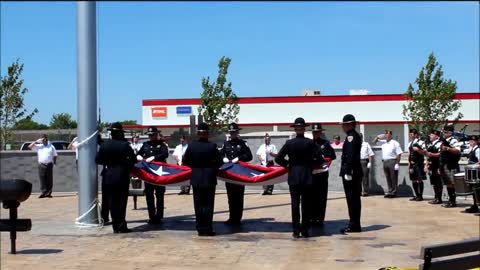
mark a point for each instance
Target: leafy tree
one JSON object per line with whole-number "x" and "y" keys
{"x": 432, "y": 103}
{"x": 219, "y": 103}
{"x": 62, "y": 121}
{"x": 128, "y": 122}
{"x": 12, "y": 108}
{"x": 28, "y": 124}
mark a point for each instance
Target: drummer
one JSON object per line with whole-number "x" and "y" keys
{"x": 474, "y": 158}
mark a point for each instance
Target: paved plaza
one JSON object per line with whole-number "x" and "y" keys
{"x": 394, "y": 231}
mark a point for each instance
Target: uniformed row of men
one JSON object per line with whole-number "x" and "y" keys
{"x": 307, "y": 164}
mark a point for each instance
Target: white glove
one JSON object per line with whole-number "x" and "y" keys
{"x": 139, "y": 158}
{"x": 369, "y": 165}
{"x": 226, "y": 160}
{"x": 235, "y": 160}
{"x": 180, "y": 163}
{"x": 347, "y": 177}
{"x": 150, "y": 159}
{"x": 396, "y": 167}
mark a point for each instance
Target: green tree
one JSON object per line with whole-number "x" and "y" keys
{"x": 28, "y": 124}
{"x": 431, "y": 104}
{"x": 219, "y": 103}
{"x": 12, "y": 108}
{"x": 128, "y": 122}
{"x": 62, "y": 121}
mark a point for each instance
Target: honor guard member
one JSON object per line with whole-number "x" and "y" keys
{"x": 416, "y": 151}
{"x": 351, "y": 173}
{"x": 233, "y": 151}
{"x": 301, "y": 152}
{"x": 154, "y": 149}
{"x": 449, "y": 157}
{"x": 204, "y": 159}
{"x": 433, "y": 165}
{"x": 474, "y": 158}
{"x": 118, "y": 158}
{"x": 320, "y": 175}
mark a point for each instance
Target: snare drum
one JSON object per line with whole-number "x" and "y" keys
{"x": 462, "y": 188}
{"x": 472, "y": 174}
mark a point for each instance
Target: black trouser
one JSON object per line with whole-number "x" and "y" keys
{"x": 235, "y": 195}
{"x": 203, "y": 202}
{"x": 301, "y": 195}
{"x": 105, "y": 202}
{"x": 436, "y": 182}
{"x": 319, "y": 196}
{"x": 45, "y": 173}
{"x": 154, "y": 212}
{"x": 353, "y": 189}
{"x": 117, "y": 197}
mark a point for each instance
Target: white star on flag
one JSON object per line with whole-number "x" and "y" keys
{"x": 159, "y": 171}
{"x": 255, "y": 175}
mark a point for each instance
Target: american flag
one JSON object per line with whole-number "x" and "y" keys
{"x": 250, "y": 174}
{"x": 159, "y": 173}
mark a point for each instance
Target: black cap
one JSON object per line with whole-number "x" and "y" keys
{"x": 233, "y": 127}
{"x": 115, "y": 126}
{"x": 299, "y": 122}
{"x": 152, "y": 130}
{"x": 448, "y": 128}
{"x": 436, "y": 132}
{"x": 414, "y": 131}
{"x": 348, "y": 118}
{"x": 473, "y": 138}
{"x": 317, "y": 127}
{"x": 202, "y": 127}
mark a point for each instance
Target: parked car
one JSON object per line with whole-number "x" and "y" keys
{"x": 59, "y": 145}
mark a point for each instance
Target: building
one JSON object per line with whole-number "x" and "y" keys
{"x": 375, "y": 113}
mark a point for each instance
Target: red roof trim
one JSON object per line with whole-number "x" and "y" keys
{"x": 299, "y": 99}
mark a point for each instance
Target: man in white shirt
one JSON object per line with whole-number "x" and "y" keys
{"x": 366, "y": 156}
{"x": 391, "y": 153}
{"x": 136, "y": 144}
{"x": 47, "y": 157}
{"x": 178, "y": 155}
{"x": 266, "y": 153}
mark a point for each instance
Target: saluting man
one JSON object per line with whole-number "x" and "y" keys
{"x": 351, "y": 173}
{"x": 204, "y": 159}
{"x": 154, "y": 149}
{"x": 233, "y": 151}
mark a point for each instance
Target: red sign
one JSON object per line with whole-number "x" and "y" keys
{"x": 159, "y": 112}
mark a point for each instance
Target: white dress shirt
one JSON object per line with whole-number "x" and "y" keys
{"x": 366, "y": 151}
{"x": 179, "y": 152}
{"x": 45, "y": 153}
{"x": 136, "y": 146}
{"x": 262, "y": 152}
{"x": 390, "y": 149}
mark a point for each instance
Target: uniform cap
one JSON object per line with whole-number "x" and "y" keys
{"x": 299, "y": 122}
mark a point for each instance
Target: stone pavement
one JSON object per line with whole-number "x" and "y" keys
{"x": 394, "y": 231}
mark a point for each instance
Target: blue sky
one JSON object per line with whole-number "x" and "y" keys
{"x": 159, "y": 50}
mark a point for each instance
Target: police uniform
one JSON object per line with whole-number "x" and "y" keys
{"x": 320, "y": 176}
{"x": 301, "y": 152}
{"x": 416, "y": 166}
{"x": 351, "y": 173}
{"x": 232, "y": 150}
{"x": 449, "y": 166}
{"x": 433, "y": 165}
{"x": 204, "y": 159}
{"x": 117, "y": 157}
{"x": 473, "y": 158}
{"x": 158, "y": 149}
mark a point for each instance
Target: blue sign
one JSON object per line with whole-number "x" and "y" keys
{"x": 184, "y": 110}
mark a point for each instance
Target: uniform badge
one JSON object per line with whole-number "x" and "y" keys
{"x": 239, "y": 146}
{"x": 322, "y": 147}
{"x": 350, "y": 138}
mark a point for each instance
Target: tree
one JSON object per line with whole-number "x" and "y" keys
{"x": 219, "y": 103}
{"x": 62, "y": 121}
{"x": 128, "y": 122}
{"x": 28, "y": 124}
{"x": 432, "y": 103}
{"x": 12, "y": 108}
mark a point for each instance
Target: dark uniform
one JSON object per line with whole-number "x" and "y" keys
{"x": 301, "y": 152}
{"x": 433, "y": 165}
{"x": 320, "y": 177}
{"x": 449, "y": 166}
{"x": 235, "y": 148}
{"x": 473, "y": 159}
{"x": 416, "y": 166}
{"x": 159, "y": 150}
{"x": 117, "y": 157}
{"x": 204, "y": 159}
{"x": 352, "y": 167}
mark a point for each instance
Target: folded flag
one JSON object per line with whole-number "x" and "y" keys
{"x": 243, "y": 173}
{"x": 160, "y": 173}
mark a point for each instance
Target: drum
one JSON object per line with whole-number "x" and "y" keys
{"x": 472, "y": 174}
{"x": 461, "y": 186}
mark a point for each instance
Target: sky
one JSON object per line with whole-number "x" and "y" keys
{"x": 162, "y": 50}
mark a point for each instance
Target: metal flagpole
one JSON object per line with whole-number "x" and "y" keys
{"x": 87, "y": 114}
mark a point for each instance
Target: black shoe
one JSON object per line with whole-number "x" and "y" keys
{"x": 232, "y": 222}
{"x": 351, "y": 230}
{"x": 392, "y": 196}
{"x": 183, "y": 192}
{"x": 472, "y": 209}
{"x": 413, "y": 199}
{"x": 42, "y": 196}
{"x": 296, "y": 234}
{"x": 124, "y": 230}
{"x": 387, "y": 195}
{"x": 436, "y": 201}
{"x": 208, "y": 233}
{"x": 450, "y": 205}
{"x": 154, "y": 221}
{"x": 267, "y": 192}
{"x": 364, "y": 194}
{"x": 305, "y": 234}
{"x": 419, "y": 199}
